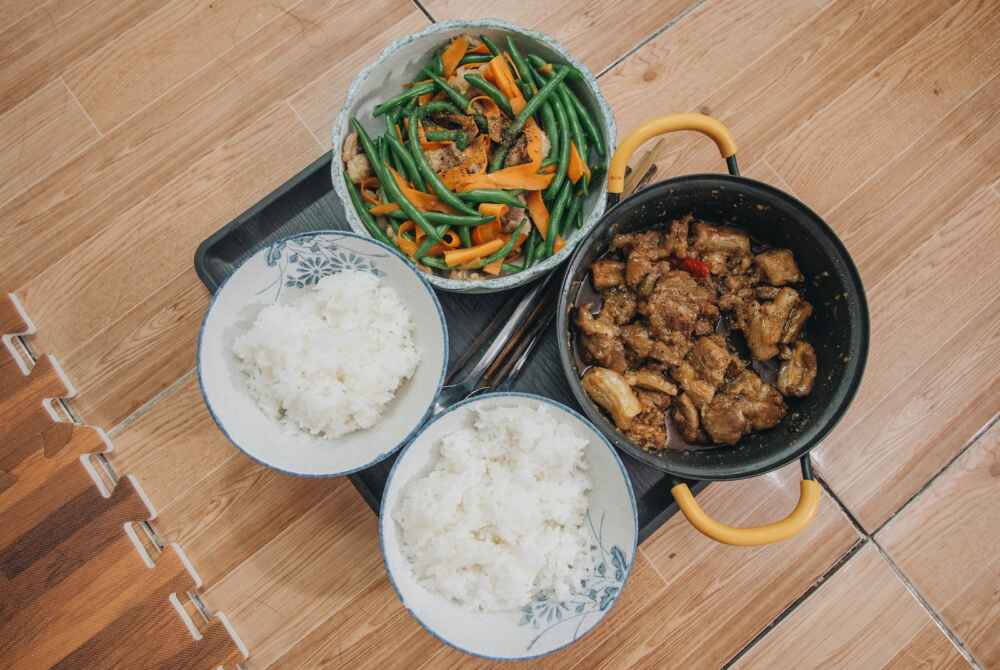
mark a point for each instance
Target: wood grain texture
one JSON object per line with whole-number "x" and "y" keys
{"x": 172, "y": 44}
{"x": 892, "y": 106}
{"x": 277, "y": 595}
{"x": 683, "y": 65}
{"x": 862, "y": 617}
{"x": 799, "y": 76}
{"x": 575, "y": 24}
{"x": 40, "y": 46}
{"x": 947, "y": 541}
{"x": 77, "y": 201}
{"x": 39, "y": 135}
{"x": 24, "y": 421}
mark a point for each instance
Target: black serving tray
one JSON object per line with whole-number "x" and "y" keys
{"x": 308, "y": 202}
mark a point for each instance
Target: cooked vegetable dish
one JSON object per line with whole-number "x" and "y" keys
{"x": 678, "y": 306}
{"x": 484, "y": 164}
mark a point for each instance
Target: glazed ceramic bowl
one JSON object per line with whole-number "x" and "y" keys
{"x": 402, "y": 61}
{"x": 276, "y": 274}
{"x": 544, "y": 625}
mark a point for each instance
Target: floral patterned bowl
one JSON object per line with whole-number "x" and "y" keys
{"x": 275, "y": 274}
{"x": 402, "y": 61}
{"x": 545, "y": 624}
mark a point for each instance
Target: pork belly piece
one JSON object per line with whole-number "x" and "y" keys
{"x": 607, "y": 273}
{"x": 777, "y": 267}
{"x": 798, "y": 370}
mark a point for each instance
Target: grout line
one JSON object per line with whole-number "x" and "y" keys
{"x": 80, "y": 106}
{"x": 305, "y": 125}
{"x": 961, "y": 452}
{"x": 146, "y": 406}
{"x": 649, "y": 38}
{"x": 424, "y": 10}
{"x": 791, "y": 607}
{"x": 909, "y": 586}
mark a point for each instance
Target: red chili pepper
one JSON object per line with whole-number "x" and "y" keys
{"x": 694, "y": 266}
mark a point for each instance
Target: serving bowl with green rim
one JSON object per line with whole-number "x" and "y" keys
{"x": 402, "y": 61}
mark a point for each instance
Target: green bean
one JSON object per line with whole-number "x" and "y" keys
{"x": 432, "y": 262}
{"x": 557, "y": 212}
{"x": 493, "y": 195}
{"x": 481, "y": 123}
{"x": 579, "y": 141}
{"x": 575, "y": 206}
{"x": 454, "y": 220}
{"x": 438, "y": 107}
{"x": 494, "y": 49}
{"x": 364, "y": 215}
{"x": 586, "y": 120}
{"x": 389, "y": 183}
{"x": 459, "y": 137}
{"x": 475, "y": 58}
{"x": 579, "y": 214}
{"x": 437, "y": 65}
{"x": 510, "y": 268}
{"x": 456, "y": 97}
{"x": 562, "y": 126}
{"x": 412, "y": 94}
{"x": 529, "y": 109}
{"x": 519, "y": 63}
{"x": 497, "y": 255}
{"x": 406, "y": 158}
{"x": 428, "y": 242}
{"x": 540, "y": 62}
{"x": 446, "y": 196}
{"x": 532, "y": 248}
{"x": 492, "y": 92}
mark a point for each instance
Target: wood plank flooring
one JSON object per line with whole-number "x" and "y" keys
{"x": 130, "y": 130}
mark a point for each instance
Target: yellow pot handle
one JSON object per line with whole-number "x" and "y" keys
{"x": 805, "y": 510}
{"x": 668, "y": 124}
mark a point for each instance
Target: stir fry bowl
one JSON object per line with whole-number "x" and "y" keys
{"x": 838, "y": 328}
{"x": 402, "y": 61}
{"x": 544, "y": 625}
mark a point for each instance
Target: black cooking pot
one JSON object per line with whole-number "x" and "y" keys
{"x": 838, "y": 328}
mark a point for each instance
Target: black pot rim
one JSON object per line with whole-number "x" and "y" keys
{"x": 707, "y": 473}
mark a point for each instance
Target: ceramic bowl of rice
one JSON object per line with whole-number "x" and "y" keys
{"x": 322, "y": 354}
{"x": 508, "y": 526}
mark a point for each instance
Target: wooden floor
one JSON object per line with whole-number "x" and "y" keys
{"x": 132, "y": 129}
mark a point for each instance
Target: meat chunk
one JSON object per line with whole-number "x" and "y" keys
{"x": 601, "y": 340}
{"x": 355, "y": 161}
{"x": 698, "y": 390}
{"x": 686, "y": 417}
{"x": 676, "y": 240}
{"x": 764, "y": 323}
{"x": 778, "y": 267}
{"x": 645, "y": 240}
{"x": 724, "y": 420}
{"x": 514, "y": 217}
{"x": 648, "y": 429}
{"x": 443, "y": 158}
{"x": 796, "y": 321}
{"x": 648, "y": 379}
{"x": 638, "y": 340}
{"x": 643, "y": 269}
{"x": 607, "y": 273}
{"x": 609, "y": 389}
{"x": 763, "y": 406}
{"x": 619, "y": 306}
{"x": 729, "y": 241}
{"x": 798, "y": 370}
{"x": 709, "y": 358}
{"x": 518, "y": 153}
{"x": 766, "y": 292}
{"x": 676, "y": 303}
{"x": 457, "y": 81}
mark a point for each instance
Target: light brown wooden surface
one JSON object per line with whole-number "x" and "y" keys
{"x": 947, "y": 541}
{"x": 133, "y": 129}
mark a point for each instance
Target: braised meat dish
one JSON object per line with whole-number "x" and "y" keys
{"x": 664, "y": 341}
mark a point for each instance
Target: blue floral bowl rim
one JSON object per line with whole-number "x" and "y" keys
{"x": 381, "y": 457}
{"x": 384, "y": 518}
{"x": 607, "y": 122}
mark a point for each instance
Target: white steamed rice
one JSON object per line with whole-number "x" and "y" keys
{"x": 330, "y": 361}
{"x": 501, "y": 515}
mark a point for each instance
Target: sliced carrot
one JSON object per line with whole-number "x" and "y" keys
{"x": 576, "y": 168}
{"x": 496, "y": 210}
{"x": 559, "y": 244}
{"x": 453, "y": 54}
{"x": 451, "y": 241}
{"x": 496, "y": 267}
{"x": 424, "y": 99}
{"x": 480, "y": 48}
{"x": 422, "y": 201}
{"x": 469, "y": 254}
{"x": 524, "y": 176}
{"x": 489, "y": 107}
{"x": 488, "y": 231}
{"x": 499, "y": 73}
{"x": 368, "y": 196}
{"x": 538, "y": 211}
{"x": 548, "y": 169}
{"x": 512, "y": 65}
{"x": 405, "y": 244}
{"x": 368, "y": 182}
{"x": 547, "y": 70}
{"x": 474, "y": 160}
{"x": 383, "y": 208}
